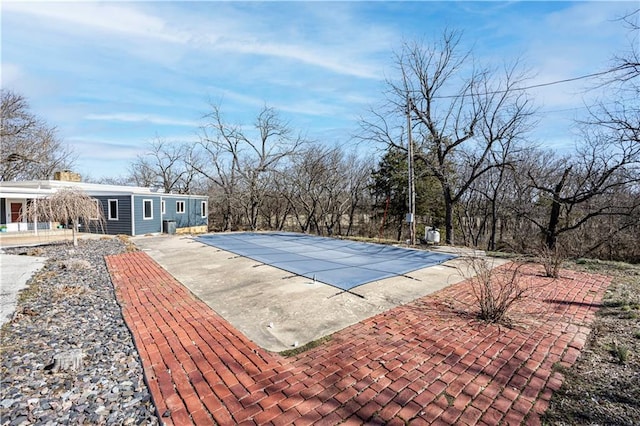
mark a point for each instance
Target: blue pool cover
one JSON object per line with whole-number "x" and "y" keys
{"x": 340, "y": 263}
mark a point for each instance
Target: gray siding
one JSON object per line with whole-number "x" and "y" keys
{"x": 146, "y": 226}
{"x": 123, "y": 224}
{"x": 192, "y": 211}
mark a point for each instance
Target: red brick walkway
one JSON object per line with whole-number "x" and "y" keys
{"x": 427, "y": 362}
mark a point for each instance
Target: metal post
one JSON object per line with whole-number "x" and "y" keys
{"x": 412, "y": 189}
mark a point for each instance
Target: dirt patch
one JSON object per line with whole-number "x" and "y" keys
{"x": 603, "y": 387}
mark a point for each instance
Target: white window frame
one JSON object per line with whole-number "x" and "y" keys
{"x": 163, "y": 207}
{"x": 98, "y": 207}
{"x": 117, "y": 216}
{"x": 144, "y": 210}
{"x": 203, "y": 209}
{"x": 178, "y": 209}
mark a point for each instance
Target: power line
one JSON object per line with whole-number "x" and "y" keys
{"x": 568, "y": 80}
{"x": 543, "y": 111}
{"x": 535, "y": 86}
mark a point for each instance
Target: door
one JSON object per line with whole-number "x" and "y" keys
{"x": 16, "y": 212}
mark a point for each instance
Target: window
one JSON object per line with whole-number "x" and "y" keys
{"x": 203, "y": 208}
{"x": 163, "y": 209}
{"x": 98, "y": 206}
{"x": 147, "y": 209}
{"x": 113, "y": 210}
{"x": 179, "y": 206}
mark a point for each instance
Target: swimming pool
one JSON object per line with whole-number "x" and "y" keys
{"x": 341, "y": 263}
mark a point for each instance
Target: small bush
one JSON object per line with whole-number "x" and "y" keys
{"x": 75, "y": 264}
{"x": 35, "y": 252}
{"x": 620, "y": 352}
{"x": 69, "y": 291}
{"x": 129, "y": 246}
{"x": 551, "y": 260}
{"x": 495, "y": 291}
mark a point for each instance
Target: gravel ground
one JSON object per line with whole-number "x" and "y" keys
{"x": 69, "y": 314}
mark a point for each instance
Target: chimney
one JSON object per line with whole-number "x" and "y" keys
{"x": 67, "y": 176}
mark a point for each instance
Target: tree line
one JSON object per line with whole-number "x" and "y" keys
{"x": 479, "y": 177}
{"x": 31, "y": 148}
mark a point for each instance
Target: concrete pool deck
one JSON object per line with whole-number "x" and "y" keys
{"x": 276, "y": 309}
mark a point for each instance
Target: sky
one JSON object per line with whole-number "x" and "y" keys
{"x": 114, "y": 76}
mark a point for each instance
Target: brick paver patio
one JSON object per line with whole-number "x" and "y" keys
{"x": 427, "y": 362}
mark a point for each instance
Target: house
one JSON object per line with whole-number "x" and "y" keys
{"x": 127, "y": 210}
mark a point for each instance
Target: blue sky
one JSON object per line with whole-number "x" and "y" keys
{"x": 114, "y": 75}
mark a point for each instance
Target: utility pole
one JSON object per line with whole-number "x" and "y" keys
{"x": 411, "y": 216}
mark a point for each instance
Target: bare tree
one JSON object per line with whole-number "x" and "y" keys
{"x": 31, "y": 149}
{"x": 305, "y": 187}
{"x": 276, "y": 209}
{"x": 240, "y": 161}
{"x": 167, "y": 165}
{"x": 334, "y": 202}
{"x": 586, "y": 185}
{"x": 627, "y": 66}
{"x": 464, "y": 119}
{"x": 320, "y": 190}
{"x": 358, "y": 180}
{"x": 113, "y": 180}
{"x": 595, "y": 181}
{"x": 68, "y": 205}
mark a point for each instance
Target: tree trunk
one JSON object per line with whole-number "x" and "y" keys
{"x": 494, "y": 219}
{"x": 227, "y": 216}
{"x": 554, "y": 217}
{"x": 551, "y": 237}
{"x": 74, "y": 231}
{"x": 254, "y": 215}
{"x": 448, "y": 219}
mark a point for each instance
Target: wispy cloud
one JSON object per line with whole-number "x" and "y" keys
{"x": 111, "y": 75}
{"x": 146, "y": 118}
{"x": 220, "y": 96}
{"x": 305, "y": 54}
{"x": 131, "y": 22}
{"x": 111, "y": 18}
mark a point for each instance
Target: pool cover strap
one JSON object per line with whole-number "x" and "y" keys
{"x": 341, "y": 263}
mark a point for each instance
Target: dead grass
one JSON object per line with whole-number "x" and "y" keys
{"x": 128, "y": 245}
{"x": 36, "y": 251}
{"x": 313, "y": 344}
{"x": 69, "y": 291}
{"x": 75, "y": 264}
{"x": 34, "y": 286}
{"x": 603, "y": 387}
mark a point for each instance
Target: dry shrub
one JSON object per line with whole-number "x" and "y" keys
{"x": 69, "y": 291}
{"x": 551, "y": 259}
{"x": 496, "y": 289}
{"x": 37, "y": 251}
{"x": 128, "y": 245}
{"x": 75, "y": 264}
